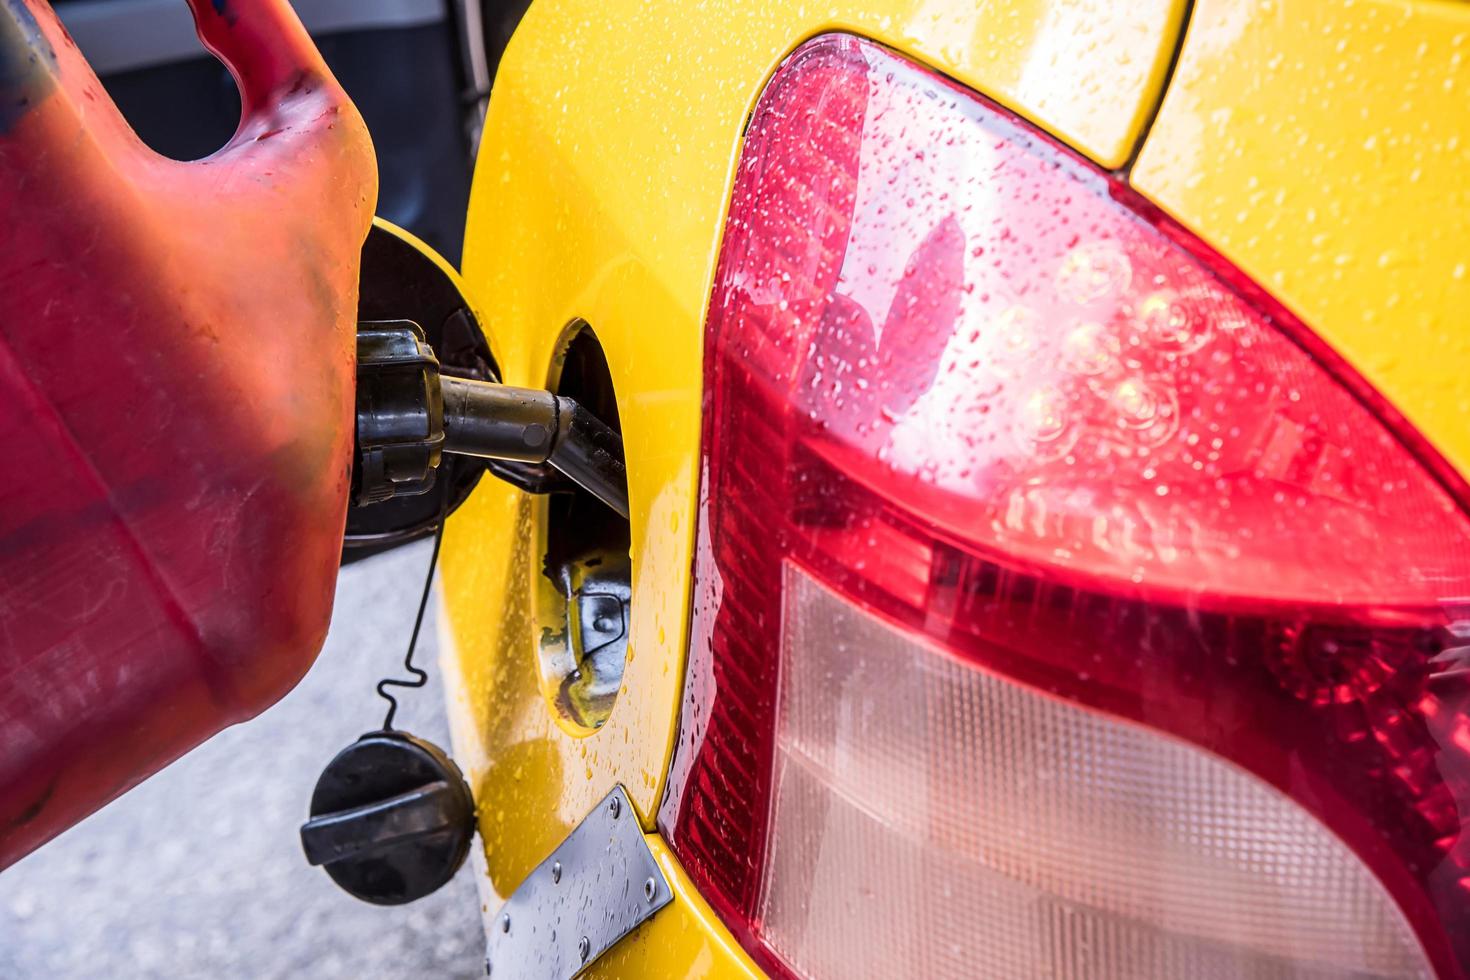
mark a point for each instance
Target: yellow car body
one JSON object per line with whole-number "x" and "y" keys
{"x": 1321, "y": 147}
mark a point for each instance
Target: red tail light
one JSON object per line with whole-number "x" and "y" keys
{"x": 1060, "y": 609}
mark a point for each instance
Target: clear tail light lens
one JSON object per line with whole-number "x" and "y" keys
{"x": 934, "y": 820}
{"x": 1062, "y": 608}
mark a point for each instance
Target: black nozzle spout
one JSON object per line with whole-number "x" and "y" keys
{"x": 590, "y": 453}
{"x": 529, "y": 425}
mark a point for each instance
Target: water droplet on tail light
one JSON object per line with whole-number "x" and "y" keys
{"x": 1161, "y": 644}
{"x": 1093, "y": 271}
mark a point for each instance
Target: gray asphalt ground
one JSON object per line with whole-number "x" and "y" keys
{"x": 199, "y": 873}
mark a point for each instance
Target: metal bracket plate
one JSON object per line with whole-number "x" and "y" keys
{"x": 595, "y": 888}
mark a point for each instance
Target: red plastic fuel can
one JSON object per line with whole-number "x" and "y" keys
{"x": 176, "y": 392}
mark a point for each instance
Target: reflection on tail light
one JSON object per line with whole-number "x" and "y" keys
{"x": 1062, "y": 607}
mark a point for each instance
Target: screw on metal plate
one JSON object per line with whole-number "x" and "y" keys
{"x": 599, "y": 884}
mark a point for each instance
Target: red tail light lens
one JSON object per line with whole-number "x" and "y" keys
{"x": 1057, "y": 611}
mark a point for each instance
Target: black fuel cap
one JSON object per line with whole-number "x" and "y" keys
{"x": 392, "y": 818}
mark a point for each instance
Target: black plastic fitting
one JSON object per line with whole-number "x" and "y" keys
{"x": 400, "y": 417}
